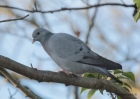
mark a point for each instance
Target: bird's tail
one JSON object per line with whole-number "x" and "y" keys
{"x": 103, "y": 71}
{"x": 107, "y": 73}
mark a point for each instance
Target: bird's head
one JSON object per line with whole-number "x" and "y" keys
{"x": 39, "y": 34}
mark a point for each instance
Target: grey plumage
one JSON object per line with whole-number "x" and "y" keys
{"x": 72, "y": 54}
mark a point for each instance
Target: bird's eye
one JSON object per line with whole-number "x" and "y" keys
{"x": 38, "y": 33}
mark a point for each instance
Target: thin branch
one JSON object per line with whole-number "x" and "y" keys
{"x": 85, "y": 2}
{"x": 92, "y": 21}
{"x": 112, "y": 95}
{"x": 11, "y": 95}
{"x": 69, "y": 9}
{"x": 36, "y": 5}
{"x": 14, "y": 19}
{"x": 122, "y": 1}
{"x": 32, "y": 66}
{"x": 76, "y": 92}
{"x": 48, "y": 76}
{"x": 17, "y": 84}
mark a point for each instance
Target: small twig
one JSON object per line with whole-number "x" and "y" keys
{"x": 11, "y": 95}
{"x": 32, "y": 66}
{"x": 17, "y": 84}
{"x": 92, "y": 23}
{"x": 14, "y": 92}
{"x": 122, "y": 1}
{"x": 14, "y": 19}
{"x": 113, "y": 97}
{"x": 85, "y": 2}
{"x": 35, "y": 3}
{"x": 76, "y": 92}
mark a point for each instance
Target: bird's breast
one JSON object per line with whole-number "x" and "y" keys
{"x": 47, "y": 48}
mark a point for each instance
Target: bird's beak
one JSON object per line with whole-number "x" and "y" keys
{"x": 33, "y": 41}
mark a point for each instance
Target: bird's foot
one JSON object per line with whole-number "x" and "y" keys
{"x": 69, "y": 74}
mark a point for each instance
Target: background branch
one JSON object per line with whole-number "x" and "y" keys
{"x": 14, "y": 19}
{"x": 11, "y": 95}
{"x": 92, "y": 21}
{"x": 68, "y": 9}
{"x": 18, "y": 85}
{"x": 48, "y": 76}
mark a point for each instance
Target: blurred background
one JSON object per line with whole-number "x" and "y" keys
{"x": 110, "y": 31}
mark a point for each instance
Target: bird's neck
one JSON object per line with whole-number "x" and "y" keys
{"x": 46, "y": 37}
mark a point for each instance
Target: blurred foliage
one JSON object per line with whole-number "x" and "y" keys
{"x": 124, "y": 77}
{"x": 137, "y": 15}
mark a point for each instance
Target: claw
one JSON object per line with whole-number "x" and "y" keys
{"x": 65, "y": 72}
{"x": 68, "y": 73}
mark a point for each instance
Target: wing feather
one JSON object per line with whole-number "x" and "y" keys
{"x": 73, "y": 49}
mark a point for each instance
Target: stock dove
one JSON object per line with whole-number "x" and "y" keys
{"x": 73, "y": 55}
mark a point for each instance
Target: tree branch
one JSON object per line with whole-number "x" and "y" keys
{"x": 69, "y": 9}
{"x": 92, "y": 21}
{"x": 18, "y": 85}
{"x": 14, "y": 19}
{"x": 48, "y": 76}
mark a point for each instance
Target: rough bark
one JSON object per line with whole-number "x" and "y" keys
{"x": 48, "y": 76}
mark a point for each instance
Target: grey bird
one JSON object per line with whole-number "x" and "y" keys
{"x": 73, "y": 55}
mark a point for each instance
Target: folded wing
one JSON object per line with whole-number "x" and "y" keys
{"x": 73, "y": 49}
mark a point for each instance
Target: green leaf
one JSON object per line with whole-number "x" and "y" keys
{"x": 137, "y": 3}
{"x": 83, "y": 89}
{"x": 118, "y": 97}
{"x": 118, "y": 71}
{"x": 86, "y": 74}
{"x": 101, "y": 91}
{"x": 89, "y": 75}
{"x": 137, "y": 16}
{"x": 127, "y": 85}
{"x": 126, "y": 89}
{"x": 129, "y": 75}
{"x": 96, "y": 74}
{"x": 91, "y": 93}
{"x": 122, "y": 77}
